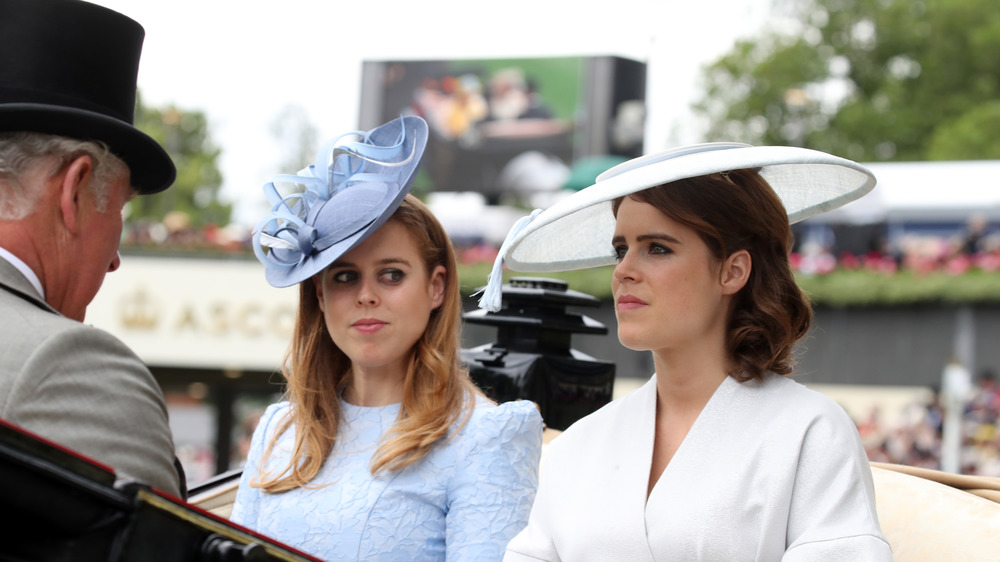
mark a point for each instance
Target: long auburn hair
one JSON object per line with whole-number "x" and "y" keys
{"x": 735, "y": 211}
{"x": 437, "y": 390}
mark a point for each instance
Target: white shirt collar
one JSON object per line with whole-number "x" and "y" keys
{"x": 24, "y": 269}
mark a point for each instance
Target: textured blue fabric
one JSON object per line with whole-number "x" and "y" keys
{"x": 465, "y": 500}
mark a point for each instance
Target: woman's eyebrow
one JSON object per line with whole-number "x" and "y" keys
{"x": 646, "y": 237}
{"x": 387, "y": 261}
{"x": 384, "y": 261}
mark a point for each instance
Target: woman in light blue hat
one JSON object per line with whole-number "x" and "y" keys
{"x": 384, "y": 449}
{"x": 720, "y": 455}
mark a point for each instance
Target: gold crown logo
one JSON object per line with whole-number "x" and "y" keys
{"x": 138, "y": 311}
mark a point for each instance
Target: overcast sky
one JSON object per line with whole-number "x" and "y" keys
{"x": 243, "y": 62}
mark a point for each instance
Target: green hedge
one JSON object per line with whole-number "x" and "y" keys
{"x": 840, "y": 288}
{"x": 596, "y": 281}
{"x": 863, "y": 288}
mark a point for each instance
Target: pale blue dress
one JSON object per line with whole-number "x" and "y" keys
{"x": 464, "y": 500}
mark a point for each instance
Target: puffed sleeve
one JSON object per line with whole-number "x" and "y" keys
{"x": 832, "y": 513}
{"x": 534, "y": 543}
{"x": 493, "y": 487}
{"x": 246, "y": 508}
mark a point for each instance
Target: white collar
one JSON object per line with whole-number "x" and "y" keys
{"x": 24, "y": 269}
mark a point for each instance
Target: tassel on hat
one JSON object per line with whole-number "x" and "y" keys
{"x": 492, "y": 293}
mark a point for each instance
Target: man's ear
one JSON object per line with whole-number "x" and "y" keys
{"x": 71, "y": 185}
{"x": 736, "y": 272}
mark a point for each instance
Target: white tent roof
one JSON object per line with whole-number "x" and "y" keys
{"x": 922, "y": 191}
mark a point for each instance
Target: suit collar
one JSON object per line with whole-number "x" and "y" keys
{"x": 28, "y": 273}
{"x": 14, "y": 281}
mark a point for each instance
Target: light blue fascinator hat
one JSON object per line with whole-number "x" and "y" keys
{"x": 357, "y": 183}
{"x": 576, "y": 232}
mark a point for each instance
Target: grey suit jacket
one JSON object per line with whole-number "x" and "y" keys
{"x": 81, "y": 387}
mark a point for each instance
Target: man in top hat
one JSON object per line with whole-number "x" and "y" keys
{"x": 70, "y": 158}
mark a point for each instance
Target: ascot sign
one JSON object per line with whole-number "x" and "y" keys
{"x": 197, "y": 313}
{"x": 140, "y": 310}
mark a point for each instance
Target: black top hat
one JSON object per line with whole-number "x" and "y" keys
{"x": 69, "y": 68}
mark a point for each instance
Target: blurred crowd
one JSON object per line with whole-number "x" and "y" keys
{"x": 914, "y": 437}
{"x": 977, "y": 247}
{"x": 180, "y": 236}
{"x": 177, "y": 232}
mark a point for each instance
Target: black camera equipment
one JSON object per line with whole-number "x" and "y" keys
{"x": 532, "y": 358}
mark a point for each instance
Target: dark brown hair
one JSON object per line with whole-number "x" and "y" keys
{"x": 737, "y": 211}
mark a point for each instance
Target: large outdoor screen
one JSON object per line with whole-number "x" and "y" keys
{"x": 512, "y": 126}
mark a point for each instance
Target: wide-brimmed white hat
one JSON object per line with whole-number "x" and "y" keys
{"x": 576, "y": 232}
{"x": 351, "y": 190}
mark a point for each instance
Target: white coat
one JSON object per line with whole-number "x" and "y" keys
{"x": 770, "y": 470}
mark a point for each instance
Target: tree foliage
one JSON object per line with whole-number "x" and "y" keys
{"x": 195, "y": 193}
{"x": 870, "y": 80}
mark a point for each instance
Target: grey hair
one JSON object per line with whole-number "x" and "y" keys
{"x": 22, "y": 152}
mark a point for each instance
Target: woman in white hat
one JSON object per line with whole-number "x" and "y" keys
{"x": 383, "y": 450}
{"x": 720, "y": 456}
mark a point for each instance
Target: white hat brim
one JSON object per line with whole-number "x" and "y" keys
{"x": 576, "y": 232}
